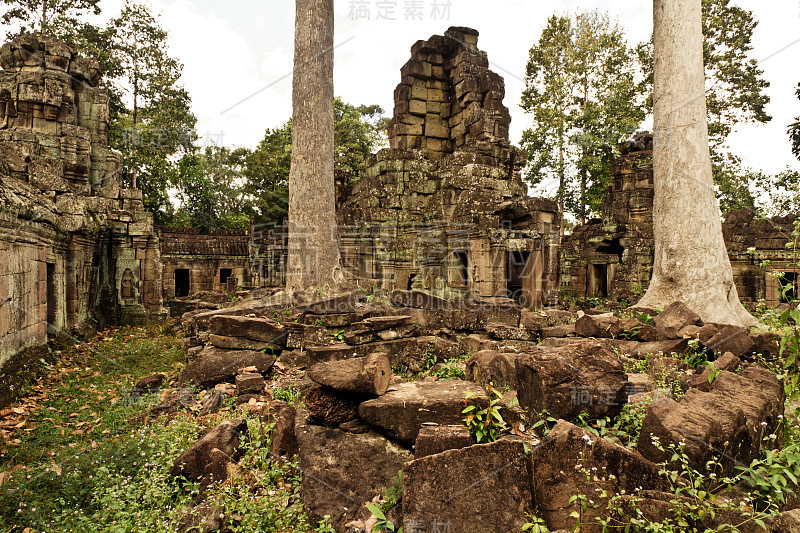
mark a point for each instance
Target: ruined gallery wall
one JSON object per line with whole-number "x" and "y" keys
{"x": 751, "y": 241}
{"x": 613, "y": 256}
{"x": 75, "y": 245}
{"x": 193, "y": 263}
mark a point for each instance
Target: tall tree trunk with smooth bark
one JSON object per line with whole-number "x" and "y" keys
{"x": 313, "y": 254}
{"x": 691, "y": 261}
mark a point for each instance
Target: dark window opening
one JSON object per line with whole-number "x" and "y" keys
{"x": 51, "y": 299}
{"x": 611, "y": 247}
{"x": 788, "y": 285}
{"x": 460, "y": 268}
{"x": 517, "y": 261}
{"x": 599, "y": 287}
{"x": 224, "y": 274}
{"x": 410, "y": 281}
{"x": 182, "y": 282}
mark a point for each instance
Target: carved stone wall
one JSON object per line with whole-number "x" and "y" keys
{"x": 753, "y": 240}
{"x": 613, "y": 256}
{"x": 72, "y": 243}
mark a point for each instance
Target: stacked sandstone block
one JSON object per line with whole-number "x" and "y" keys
{"x": 448, "y": 99}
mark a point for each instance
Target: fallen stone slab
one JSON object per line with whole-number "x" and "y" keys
{"x": 242, "y": 343}
{"x": 536, "y": 321}
{"x": 492, "y": 367}
{"x": 419, "y": 300}
{"x": 330, "y": 407}
{"x": 567, "y": 381}
{"x": 226, "y": 437}
{"x": 484, "y": 487}
{"x": 284, "y": 441}
{"x": 250, "y": 383}
{"x": 216, "y": 471}
{"x": 343, "y": 470}
{"x": 504, "y": 332}
{"x": 334, "y": 352}
{"x": 728, "y": 421}
{"x": 255, "y": 329}
{"x": 565, "y": 330}
{"x": 437, "y": 439}
{"x": 360, "y": 375}
{"x": 673, "y": 318}
{"x": 402, "y": 412}
{"x": 605, "y": 326}
{"x": 148, "y": 385}
{"x": 561, "y": 462}
{"x": 667, "y": 347}
{"x": 412, "y": 354}
{"x": 201, "y": 321}
{"x": 733, "y": 339}
{"x": 214, "y": 365}
{"x": 344, "y": 303}
{"x": 767, "y": 344}
{"x": 380, "y": 323}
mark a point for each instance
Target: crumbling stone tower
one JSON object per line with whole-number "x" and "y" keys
{"x": 449, "y": 100}
{"x": 444, "y": 209}
{"x": 73, "y": 243}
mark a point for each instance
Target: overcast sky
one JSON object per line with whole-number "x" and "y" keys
{"x": 237, "y": 57}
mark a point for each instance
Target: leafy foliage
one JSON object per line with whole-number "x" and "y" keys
{"x": 210, "y": 189}
{"x": 484, "y": 422}
{"x": 357, "y": 132}
{"x": 794, "y": 131}
{"x": 89, "y": 464}
{"x": 581, "y": 88}
{"x": 47, "y": 16}
{"x": 159, "y": 125}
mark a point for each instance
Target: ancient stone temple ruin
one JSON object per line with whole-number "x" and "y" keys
{"x": 74, "y": 244}
{"x": 444, "y": 209}
{"x": 612, "y": 257}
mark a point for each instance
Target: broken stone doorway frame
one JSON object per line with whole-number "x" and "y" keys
{"x": 524, "y": 272}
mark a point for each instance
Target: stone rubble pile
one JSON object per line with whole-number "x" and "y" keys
{"x": 361, "y": 424}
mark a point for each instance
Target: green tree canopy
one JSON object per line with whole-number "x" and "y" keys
{"x": 358, "y": 130}
{"x": 794, "y": 130}
{"x": 211, "y": 189}
{"x": 582, "y": 88}
{"x": 158, "y": 126}
{"x": 45, "y": 16}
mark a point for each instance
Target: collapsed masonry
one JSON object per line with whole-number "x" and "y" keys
{"x": 74, "y": 244}
{"x": 359, "y": 423}
{"x": 444, "y": 209}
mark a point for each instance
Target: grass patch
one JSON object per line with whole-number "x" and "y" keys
{"x": 82, "y": 461}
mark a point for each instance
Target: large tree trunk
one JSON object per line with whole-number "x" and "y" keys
{"x": 691, "y": 262}
{"x": 313, "y": 255}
